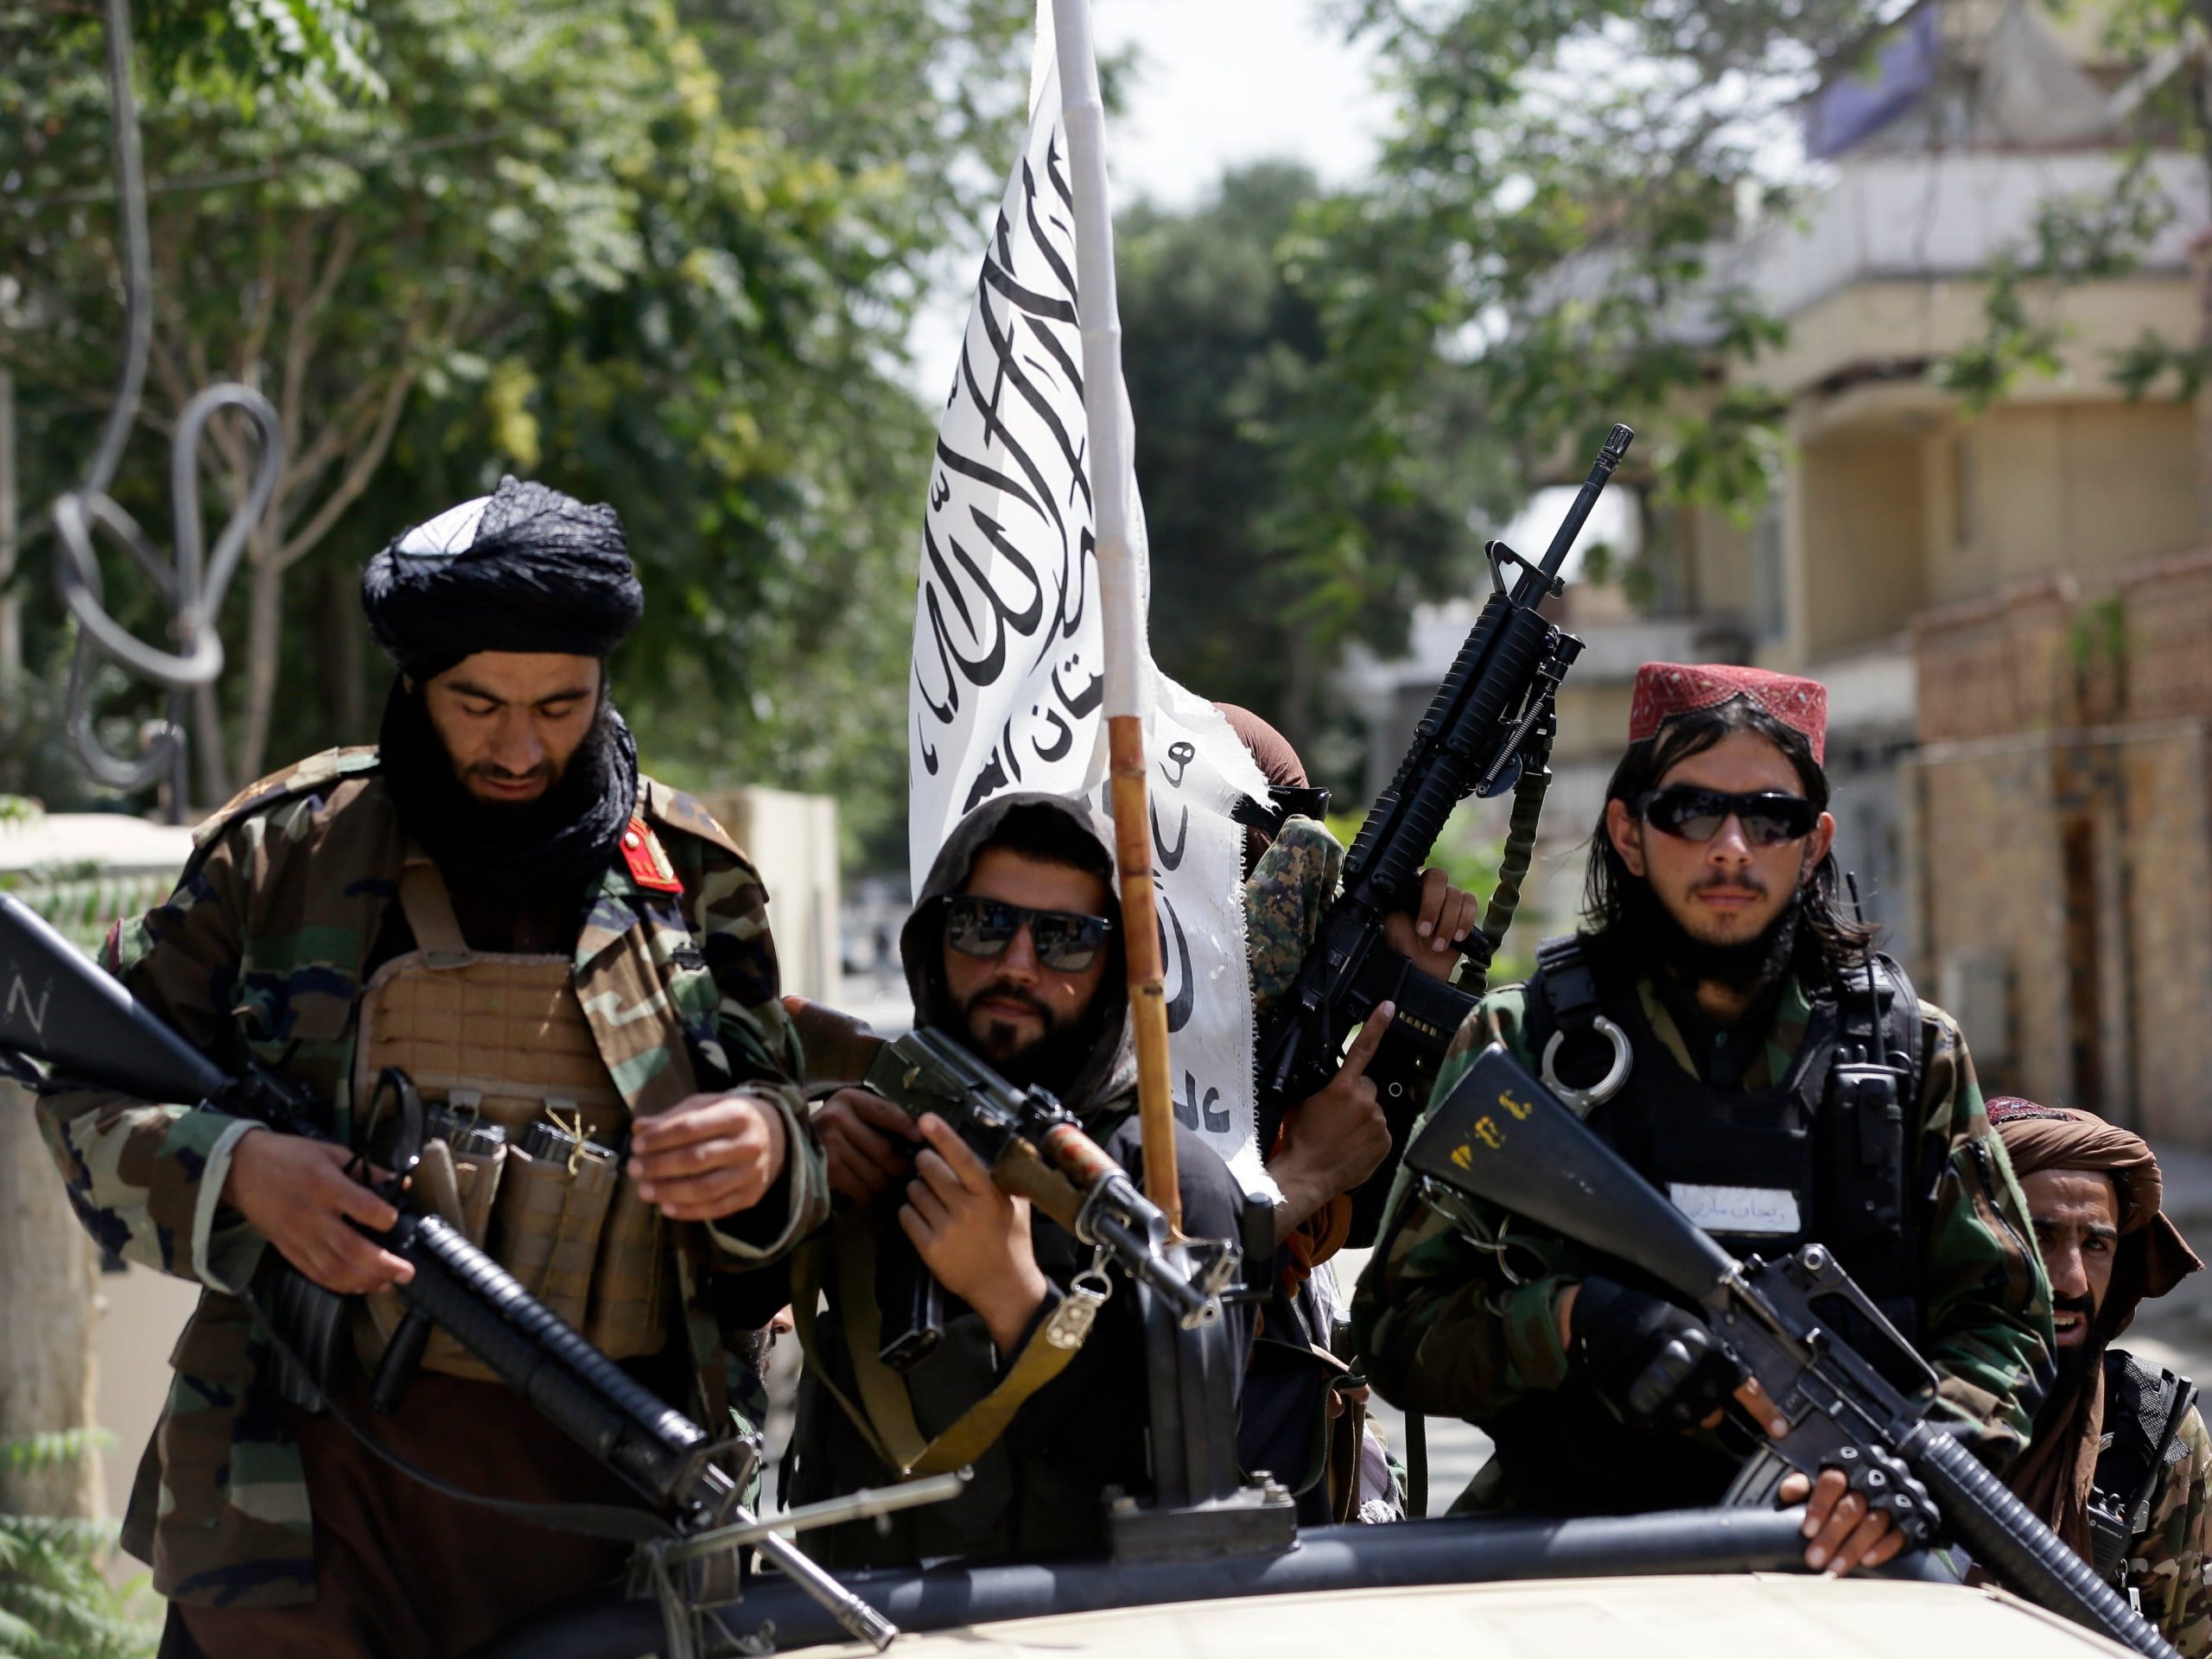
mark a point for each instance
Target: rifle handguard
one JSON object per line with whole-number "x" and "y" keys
{"x": 658, "y": 1450}
{"x": 1022, "y": 1173}
{"x": 2005, "y": 1534}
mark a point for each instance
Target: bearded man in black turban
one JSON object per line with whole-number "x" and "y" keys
{"x": 573, "y": 963}
{"x": 501, "y": 748}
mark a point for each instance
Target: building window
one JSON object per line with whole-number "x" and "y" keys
{"x": 1963, "y": 493}
{"x": 1769, "y": 612}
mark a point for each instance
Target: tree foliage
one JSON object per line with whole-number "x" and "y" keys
{"x": 2098, "y": 236}
{"x": 1556, "y": 206}
{"x": 660, "y": 255}
{"x": 1546, "y": 215}
{"x": 56, "y": 1600}
{"x": 1274, "y": 544}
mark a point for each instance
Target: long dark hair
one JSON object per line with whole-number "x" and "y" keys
{"x": 1829, "y": 937}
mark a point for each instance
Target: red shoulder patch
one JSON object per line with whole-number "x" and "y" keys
{"x": 648, "y": 860}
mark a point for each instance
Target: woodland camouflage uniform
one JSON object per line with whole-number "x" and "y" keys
{"x": 1454, "y": 1328}
{"x": 2167, "y": 1562}
{"x": 260, "y": 954}
{"x": 1284, "y": 902}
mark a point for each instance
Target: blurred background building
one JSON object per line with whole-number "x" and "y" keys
{"x": 2010, "y": 607}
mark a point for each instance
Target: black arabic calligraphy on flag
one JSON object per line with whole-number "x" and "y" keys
{"x": 1007, "y": 684}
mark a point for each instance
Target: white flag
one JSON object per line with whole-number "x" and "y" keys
{"x": 1006, "y": 663}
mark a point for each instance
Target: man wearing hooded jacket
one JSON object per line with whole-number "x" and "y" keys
{"x": 494, "y": 900}
{"x": 2120, "y": 1464}
{"x": 1011, "y": 949}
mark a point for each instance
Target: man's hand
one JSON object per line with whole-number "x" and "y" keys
{"x": 708, "y": 1157}
{"x": 1332, "y": 1140}
{"x": 1658, "y": 1364}
{"x": 972, "y": 1236}
{"x": 1844, "y": 1534}
{"x": 868, "y": 1141}
{"x": 1429, "y": 935}
{"x": 295, "y": 1193}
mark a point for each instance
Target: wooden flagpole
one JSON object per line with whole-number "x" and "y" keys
{"x": 1127, "y": 690}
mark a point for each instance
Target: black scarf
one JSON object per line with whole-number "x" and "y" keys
{"x": 526, "y": 850}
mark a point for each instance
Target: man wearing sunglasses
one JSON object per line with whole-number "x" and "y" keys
{"x": 1014, "y": 949}
{"x": 1723, "y": 1023}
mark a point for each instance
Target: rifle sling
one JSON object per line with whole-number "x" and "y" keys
{"x": 886, "y": 1416}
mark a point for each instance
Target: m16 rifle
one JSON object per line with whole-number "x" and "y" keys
{"x": 1500, "y": 1136}
{"x": 1488, "y": 729}
{"x": 56, "y": 1006}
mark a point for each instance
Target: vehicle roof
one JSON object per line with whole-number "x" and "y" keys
{"x": 1694, "y": 1616}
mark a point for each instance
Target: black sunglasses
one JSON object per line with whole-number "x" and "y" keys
{"x": 1066, "y": 941}
{"x": 1769, "y": 818}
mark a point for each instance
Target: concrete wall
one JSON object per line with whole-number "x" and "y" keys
{"x": 2062, "y": 826}
{"x": 1992, "y": 882}
{"x": 1856, "y": 520}
{"x": 1908, "y": 318}
{"x": 2086, "y": 488}
{"x": 2168, "y": 912}
{"x": 793, "y": 841}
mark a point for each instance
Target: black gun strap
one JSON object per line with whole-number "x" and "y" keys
{"x": 1513, "y": 868}
{"x": 604, "y": 1521}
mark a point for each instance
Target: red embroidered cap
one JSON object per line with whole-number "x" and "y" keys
{"x": 1666, "y": 689}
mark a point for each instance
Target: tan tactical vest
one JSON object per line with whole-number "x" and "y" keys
{"x": 500, "y": 1038}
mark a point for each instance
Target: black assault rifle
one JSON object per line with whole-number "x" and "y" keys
{"x": 1489, "y": 724}
{"x": 55, "y": 1005}
{"x": 1502, "y": 1137}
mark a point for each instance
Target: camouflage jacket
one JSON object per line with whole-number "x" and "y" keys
{"x": 2167, "y": 1563}
{"x": 260, "y": 954}
{"x": 1454, "y": 1328}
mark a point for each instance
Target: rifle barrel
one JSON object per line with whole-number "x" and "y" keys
{"x": 1609, "y": 456}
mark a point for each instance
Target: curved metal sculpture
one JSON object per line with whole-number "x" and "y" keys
{"x": 192, "y": 584}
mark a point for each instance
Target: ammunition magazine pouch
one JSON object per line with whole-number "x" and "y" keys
{"x": 501, "y": 1042}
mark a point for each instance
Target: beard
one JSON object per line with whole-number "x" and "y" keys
{"x": 1050, "y": 1059}
{"x": 511, "y": 849}
{"x": 2076, "y": 1364}
{"x": 1654, "y": 936}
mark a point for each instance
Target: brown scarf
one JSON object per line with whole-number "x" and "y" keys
{"x": 2056, "y": 1474}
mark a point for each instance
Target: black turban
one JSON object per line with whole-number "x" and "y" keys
{"x": 525, "y": 568}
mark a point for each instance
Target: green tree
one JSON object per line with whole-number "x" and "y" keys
{"x": 662, "y": 256}
{"x": 56, "y": 1600}
{"x": 1554, "y": 210}
{"x": 1273, "y": 546}
{"x": 1545, "y": 217}
{"x": 2097, "y": 236}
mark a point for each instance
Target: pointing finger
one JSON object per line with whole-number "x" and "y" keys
{"x": 1364, "y": 1045}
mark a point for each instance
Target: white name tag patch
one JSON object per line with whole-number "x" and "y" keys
{"x": 1738, "y": 1209}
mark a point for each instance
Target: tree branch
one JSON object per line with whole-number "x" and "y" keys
{"x": 364, "y": 467}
